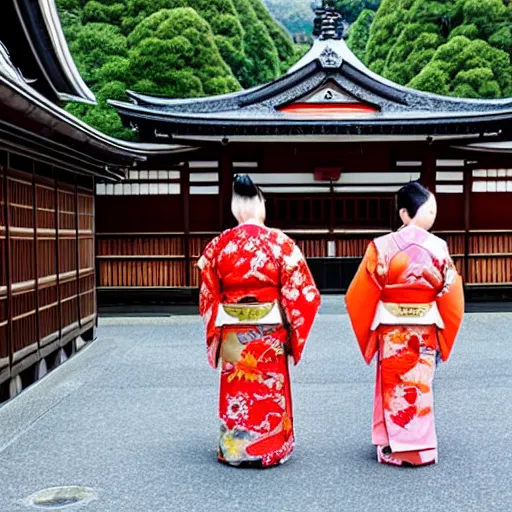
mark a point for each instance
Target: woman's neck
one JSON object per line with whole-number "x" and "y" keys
{"x": 256, "y": 222}
{"x": 411, "y": 225}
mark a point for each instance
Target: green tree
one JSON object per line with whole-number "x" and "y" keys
{"x": 95, "y": 45}
{"x": 103, "y": 12}
{"x": 351, "y": 9}
{"x": 262, "y": 59}
{"x": 433, "y": 78}
{"x": 175, "y": 50}
{"x": 485, "y": 15}
{"x": 277, "y": 33}
{"x": 472, "y": 68}
{"x": 391, "y": 18}
{"x": 360, "y": 33}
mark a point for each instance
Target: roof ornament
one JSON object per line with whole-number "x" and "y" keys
{"x": 329, "y": 23}
{"x": 330, "y": 59}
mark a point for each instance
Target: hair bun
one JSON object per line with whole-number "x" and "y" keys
{"x": 244, "y": 186}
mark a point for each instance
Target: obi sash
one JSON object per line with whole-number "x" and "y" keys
{"x": 392, "y": 313}
{"x": 265, "y": 313}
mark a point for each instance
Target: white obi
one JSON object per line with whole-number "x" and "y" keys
{"x": 265, "y": 313}
{"x": 407, "y": 314}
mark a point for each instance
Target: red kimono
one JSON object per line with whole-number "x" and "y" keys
{"x": 254, "y": 265}
{"x": 406, "y": 303}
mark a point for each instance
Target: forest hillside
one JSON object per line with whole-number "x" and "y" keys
{"x": 177, "y": 48}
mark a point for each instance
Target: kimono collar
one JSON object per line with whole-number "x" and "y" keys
{"x": 253, "y": 222}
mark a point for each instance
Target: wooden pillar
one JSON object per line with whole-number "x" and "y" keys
{"x": 428, "y": 171}
{"x": 468, "y": 189}
{"x": 8, "y": 262}
{"x": 185, "y": 194}
{"x": 395, "y": 219}
{"x": 77, "y": 255}
{"x": 95, "y": 251}
{"x": 331, "y": 242}
{"x": 225, "y": 189}
{"x": 36, "y": 253}
{"x": 57, "y": 251}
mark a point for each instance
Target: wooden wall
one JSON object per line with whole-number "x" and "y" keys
{"x": 159, "y": 260}
{"x": 47, "y": 253}
{"x": 154, "y": 241}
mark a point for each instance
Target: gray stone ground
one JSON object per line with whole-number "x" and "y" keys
{"x": 134, "y": 416}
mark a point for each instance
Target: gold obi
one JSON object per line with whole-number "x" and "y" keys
{"x": 408, "y": 310}
{"x": 267, "y": 313}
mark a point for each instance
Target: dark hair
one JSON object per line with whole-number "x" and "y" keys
{"x": 243, "y": 186}
{"x": 412, "y": 197}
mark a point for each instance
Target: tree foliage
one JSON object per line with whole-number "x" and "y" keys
{"x": 352, "y": 9}
{"x": 452, "y": 47}
{"x": 360, "y": 33}
{"x": 176, "y": 48}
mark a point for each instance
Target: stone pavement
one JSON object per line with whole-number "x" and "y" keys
{"x": 134, "y": 417}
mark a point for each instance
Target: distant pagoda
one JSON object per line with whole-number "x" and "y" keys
{"x": 329, "y": 23}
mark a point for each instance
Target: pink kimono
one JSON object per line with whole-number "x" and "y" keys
{"x": 406, "y": 303}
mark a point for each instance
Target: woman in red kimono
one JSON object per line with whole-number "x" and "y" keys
{"x": 258, "y": 301}
{"x": 406, "y": 303}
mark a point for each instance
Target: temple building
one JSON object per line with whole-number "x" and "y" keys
{"x": 330, "y": 143}
{"x": 49, "y": 165}
{"x": 86, "y": 216}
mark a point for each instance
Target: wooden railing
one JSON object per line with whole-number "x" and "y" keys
{"x": 156, "y": 260}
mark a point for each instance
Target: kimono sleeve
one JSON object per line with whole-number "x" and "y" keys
{"x": 362, "y": 299}
{"x": 300, "y": 298}
{"x": 451, "y": 308}
{"x": 209, "y": 300}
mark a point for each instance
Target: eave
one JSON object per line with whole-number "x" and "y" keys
{"x": 267, "y": 112}
{"x": 54, "y": 71}
{"x": 30, "y": 121}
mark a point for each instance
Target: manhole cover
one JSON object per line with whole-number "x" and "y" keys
{"x": 61, "y": 497}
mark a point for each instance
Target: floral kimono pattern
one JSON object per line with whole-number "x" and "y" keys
{"x": 406, "y": 304}
{"x": 252, "y": 263}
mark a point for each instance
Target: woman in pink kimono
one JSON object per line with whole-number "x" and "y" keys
{"x": 406, "y": 304}
{"x": 258, "y": 301}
